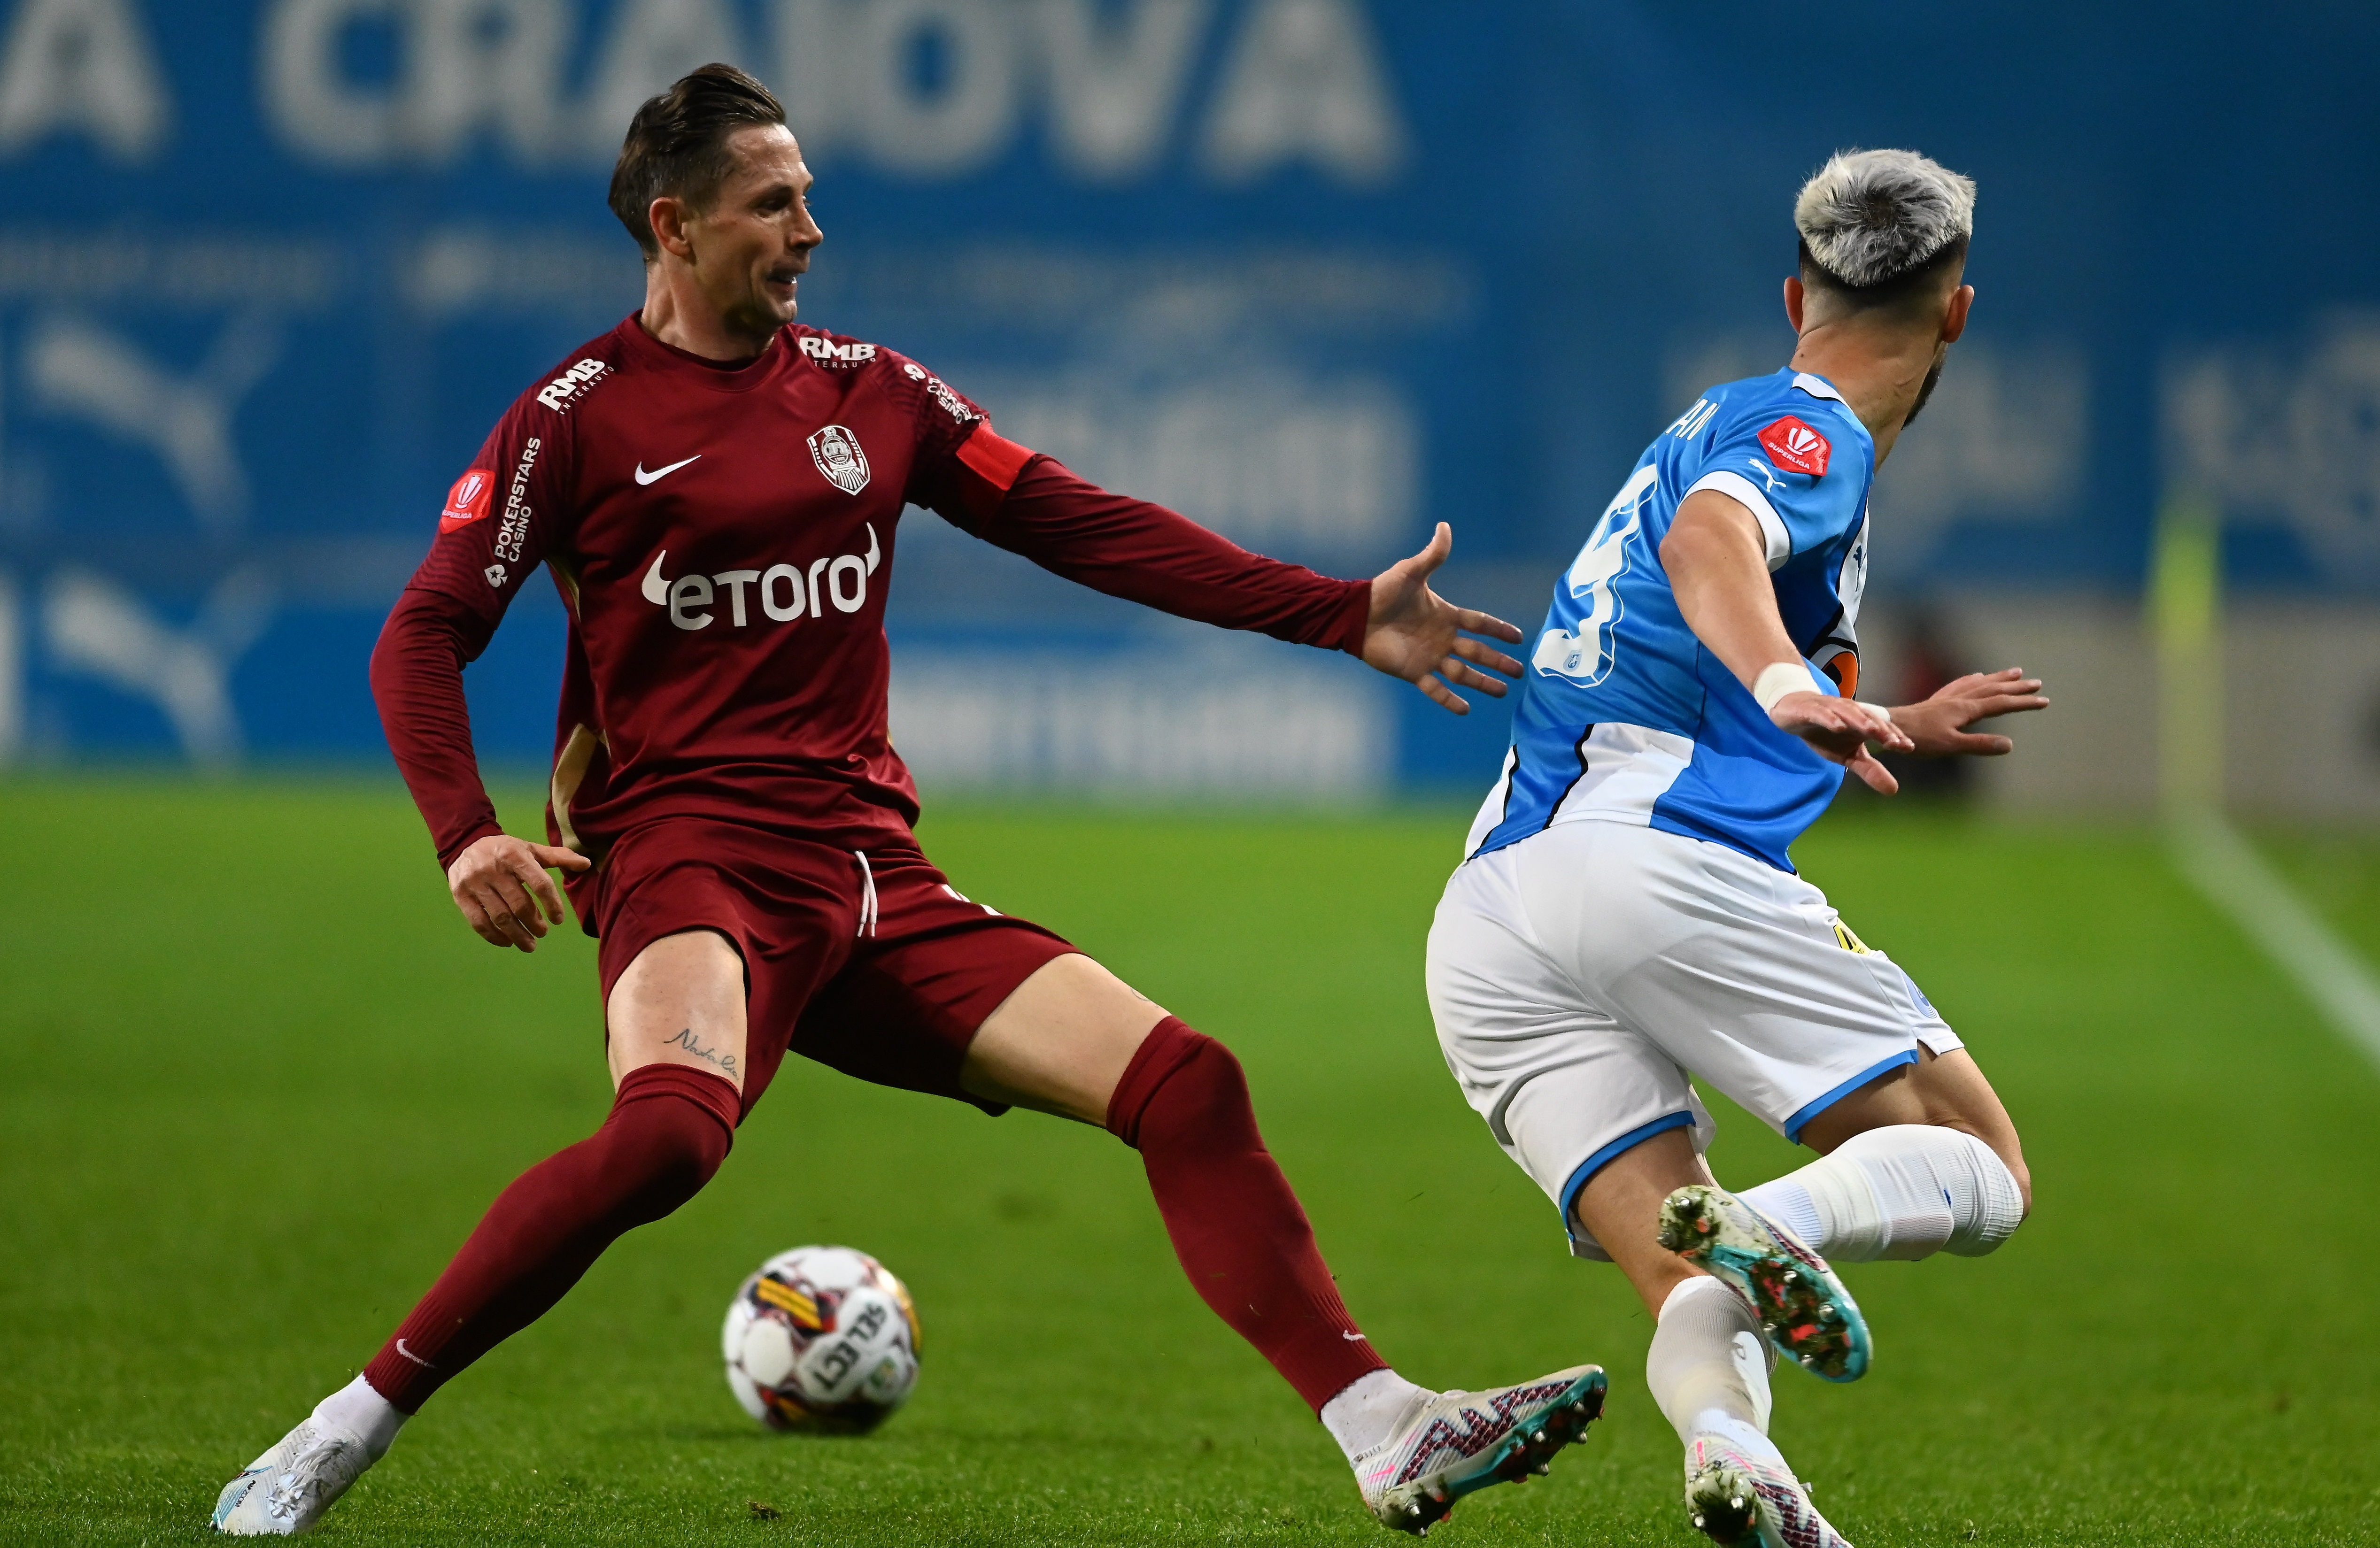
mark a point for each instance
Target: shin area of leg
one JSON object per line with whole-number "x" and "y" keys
{"x": 1240, "y": 1232}
{"x": 669, "y": 1129}
{"x": 1904, "y": 1191}
{"x": 1708, "y": 1361}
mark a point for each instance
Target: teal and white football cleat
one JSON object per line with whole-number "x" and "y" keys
{"x": 1803, "y": 1307}
{"x": 285, "y": 1491}
{"x": 1452, "y": 1443}
{"x": 1734, "y": 1497}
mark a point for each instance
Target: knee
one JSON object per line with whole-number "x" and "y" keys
{"x": 2004, "y": 1148}
{"x": 2013, "y": 1159}
{"x": 672, "y": 1131}
{"x": 2001, "y": 1201}
{"x": 1181, "y": 1084}
{"x": 684, "y": 1149}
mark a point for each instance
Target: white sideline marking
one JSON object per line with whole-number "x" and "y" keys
{"x": 2241, "y": 883}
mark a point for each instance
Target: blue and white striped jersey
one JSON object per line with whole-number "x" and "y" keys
{"x": 1622, "y": 715}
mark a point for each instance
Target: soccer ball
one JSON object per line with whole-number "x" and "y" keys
{"x": 822, "y": 1339}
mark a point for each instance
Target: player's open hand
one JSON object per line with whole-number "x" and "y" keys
{"x": 1417, "y": 635}
{"x": 501, "y": 885}
{"x": 1939, "y": 726}
{"x": 1840, "y": 730}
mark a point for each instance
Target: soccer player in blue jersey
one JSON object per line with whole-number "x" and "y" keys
{"x": 1626, "y": 915}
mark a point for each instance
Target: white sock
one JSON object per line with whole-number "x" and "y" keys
{"x": 1368, "y": 1409}
{"x": 360, "y": 1411}
{"x": 1708, "y": 1366}
{"x": 1904, "y": 1191}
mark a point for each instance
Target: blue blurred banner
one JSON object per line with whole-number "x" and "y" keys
{"x": 1317, "y": 273}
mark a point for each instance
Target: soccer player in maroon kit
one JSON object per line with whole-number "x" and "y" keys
{"x": 717, "y": 491}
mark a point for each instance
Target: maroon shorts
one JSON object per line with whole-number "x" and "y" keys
{"x": 866, "y": 961}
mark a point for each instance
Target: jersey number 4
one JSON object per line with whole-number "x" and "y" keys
{"x": 1584, "y": 655}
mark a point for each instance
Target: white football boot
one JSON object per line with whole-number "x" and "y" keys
{"x": 1803, "y": 1307}
{"x": 285, "y": 1491}
{"x": 1450, "y": 1444}
{"x": 1733, "y": 1497}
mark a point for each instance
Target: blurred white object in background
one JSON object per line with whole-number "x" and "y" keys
{"x": 1211, "y": 720}
{"x": 86, "y": 67}
{"x": 80, "y": 369}
{"x": 1302, "y": 84}
{"x": 2273, "y": 434}
{"x": 12, "y": 672}
{"x": 92, "y": 624}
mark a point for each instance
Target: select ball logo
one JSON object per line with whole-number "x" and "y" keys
{"x": 822, "y": 1339}
{"x": 467, "y": 501}
{"x": 1796, "y": 448}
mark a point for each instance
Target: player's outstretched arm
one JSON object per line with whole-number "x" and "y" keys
{"x": 1413, "y": 633}
{"x": 501, "y": 885}
{"x": 1719, "y": 571}
{"x": 1033, "y": 505}
{"x": 1939, "y": 726}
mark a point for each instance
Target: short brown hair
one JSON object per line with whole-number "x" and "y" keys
{"x": 677, "y": 144}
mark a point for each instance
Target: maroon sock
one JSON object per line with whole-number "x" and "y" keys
{"x": 669, "y": 1129}
{"x": 1239, "y": 1231}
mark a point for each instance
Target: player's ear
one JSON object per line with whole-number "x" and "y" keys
{"x": 667, "y": 215}
{"x": 1954, "y": 316}
{"x": 1794, "y": 296}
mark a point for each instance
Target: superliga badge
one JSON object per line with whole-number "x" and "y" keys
{"x": 836, "y": 452}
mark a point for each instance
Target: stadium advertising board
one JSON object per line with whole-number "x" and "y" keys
{"x": 1318, "y": 272}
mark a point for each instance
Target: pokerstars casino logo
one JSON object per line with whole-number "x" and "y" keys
{"x": 836, "y": 452}
{"x": 467, "y": 501}
{"x": 951, "y": 402}
{"x": 1795, "y": 447}
{"x": 514, "y": 531}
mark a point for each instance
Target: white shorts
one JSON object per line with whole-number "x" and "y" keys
{"x": 1580, "y": 976}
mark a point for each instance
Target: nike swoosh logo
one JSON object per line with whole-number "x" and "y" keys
{"x": 415, "y": 1357}
{"x": 1353, "y": 1338}
{"x": 659, "y": 473}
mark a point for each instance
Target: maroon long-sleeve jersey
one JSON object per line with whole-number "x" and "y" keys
{"x": 724, "y": 539}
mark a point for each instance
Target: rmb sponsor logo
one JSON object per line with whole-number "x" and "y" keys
{"x": 566, "y": 390}
{"x": 836, "y": 452}
{"x": 514, "y": 531}
{"x": 826, "y": 352}
{"x": 785, "y": 592}
{"x": 467, "y": 501}
{"x": 952, "y": 403}
{"x": 1795, "y": 447}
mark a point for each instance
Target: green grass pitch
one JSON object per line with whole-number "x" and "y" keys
{"x": 257, "y": 1081}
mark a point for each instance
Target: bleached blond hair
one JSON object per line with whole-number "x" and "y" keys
{"x": 1870, "y": 217}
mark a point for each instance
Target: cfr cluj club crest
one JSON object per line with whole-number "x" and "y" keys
{"x": 836, "y": 452}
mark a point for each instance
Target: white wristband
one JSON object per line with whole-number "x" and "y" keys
{"x": 1779, "y": 679}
